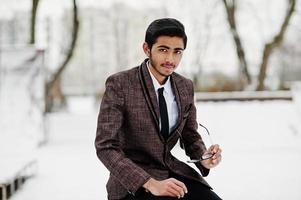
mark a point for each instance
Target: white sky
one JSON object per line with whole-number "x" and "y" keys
{"x": 56, "y": 7}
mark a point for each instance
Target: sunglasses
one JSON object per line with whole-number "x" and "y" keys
{"x": 206, "y": 155}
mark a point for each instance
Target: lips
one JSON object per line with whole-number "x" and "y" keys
{"x": 169, "y": 66}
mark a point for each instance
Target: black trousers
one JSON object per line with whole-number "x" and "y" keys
{"x": 196, "y": 191}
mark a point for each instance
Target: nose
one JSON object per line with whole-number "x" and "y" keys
{"x": 169, "y": 58}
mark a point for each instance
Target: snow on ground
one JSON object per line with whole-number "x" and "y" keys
{"x": 68, "y": 167}
{"x": 261, "y": 149}
{"x": 261, "y": 144}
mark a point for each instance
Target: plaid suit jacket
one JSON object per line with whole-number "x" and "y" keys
{"x": 128, "y": 139}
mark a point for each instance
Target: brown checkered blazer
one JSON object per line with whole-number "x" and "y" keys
{"x": 128, "y": 140}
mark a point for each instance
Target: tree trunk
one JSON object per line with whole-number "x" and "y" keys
{"x": 35, "y": 4}
{"x": 53, "y": 87}
{"x": 230, "y": 10}
{"x": 271, "y": 46}
{"x": 54, "y": 96}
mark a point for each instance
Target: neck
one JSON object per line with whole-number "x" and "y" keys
{"x": 160, "y": 78}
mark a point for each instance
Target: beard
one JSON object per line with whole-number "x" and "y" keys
{"x": 156, "y": 66}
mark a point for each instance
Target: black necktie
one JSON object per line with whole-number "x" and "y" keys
{"x": 163, "y": 114}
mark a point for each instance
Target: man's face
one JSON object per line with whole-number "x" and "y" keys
{"x": 165, "y": 55}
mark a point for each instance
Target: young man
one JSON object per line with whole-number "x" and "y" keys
{"x": 143, "y": 113}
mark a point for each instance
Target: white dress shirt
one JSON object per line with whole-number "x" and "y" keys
{"x": 171, "y": 103}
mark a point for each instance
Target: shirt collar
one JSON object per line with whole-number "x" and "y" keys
{"x": 166, "y": 85}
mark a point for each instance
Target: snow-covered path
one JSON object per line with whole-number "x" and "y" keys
{"x": 261, "y": 144}
{"x": 68, "y": 168}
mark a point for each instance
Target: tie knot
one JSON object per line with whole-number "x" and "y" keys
{"x": 160, "y": 90}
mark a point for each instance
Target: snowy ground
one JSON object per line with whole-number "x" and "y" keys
{"x": 261, "y": 144}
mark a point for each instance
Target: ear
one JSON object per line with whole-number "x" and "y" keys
{"x": 146, "y": 49}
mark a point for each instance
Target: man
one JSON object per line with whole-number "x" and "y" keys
{"x": 143, "y": 113}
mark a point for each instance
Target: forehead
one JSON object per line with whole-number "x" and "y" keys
{"x": 169, "y": 41}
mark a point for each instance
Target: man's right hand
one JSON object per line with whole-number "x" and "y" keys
{"x": 168, "y": 187}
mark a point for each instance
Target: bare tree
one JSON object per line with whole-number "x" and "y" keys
{"x": 34, "y": 10}
{"x": 120, "y": 26}
{"x": 230, "y": 6}
{"x": 271, "y": 46}
{"x": 53, "y": 88}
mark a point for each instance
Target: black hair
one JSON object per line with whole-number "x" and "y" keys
{"x": 167, "y": 27}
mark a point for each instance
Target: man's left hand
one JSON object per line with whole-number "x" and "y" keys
{"x": 215, "y": 159}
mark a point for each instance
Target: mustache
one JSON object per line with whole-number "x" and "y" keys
{"x": 167, "y": 64}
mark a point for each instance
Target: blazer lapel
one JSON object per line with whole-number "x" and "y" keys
{"x": 149, "y": 92}
{"x": 179, "y": 91}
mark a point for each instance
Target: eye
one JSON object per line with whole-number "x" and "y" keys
{"x": 178, "y": 52}
{"x": 163, "y": 50}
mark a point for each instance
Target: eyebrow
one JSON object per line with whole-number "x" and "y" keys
{"x": 167, "y": 47}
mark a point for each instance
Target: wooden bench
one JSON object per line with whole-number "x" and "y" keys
{"x": 14, "y": 171}
{"x": 244, "y": 96}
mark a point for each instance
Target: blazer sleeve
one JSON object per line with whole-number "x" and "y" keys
{"x": 193, "y": 143}
{"x": 107, "y": 144}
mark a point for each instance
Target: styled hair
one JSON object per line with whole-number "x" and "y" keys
{"x": 165, "y": 27}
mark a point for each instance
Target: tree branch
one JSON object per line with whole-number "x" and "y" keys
{"x": 71, "y": 50}
{"x": 271, "y": 46}
{"x": 35, "y": 4}
{"x": 230, "y": 10}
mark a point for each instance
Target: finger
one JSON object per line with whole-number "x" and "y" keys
{"x": 179, "y": 189}
{"x": 219, "y": 151}
{"x": 217, "y": 154}
{"x": 180, "y": 184}
{"x": 172, "y": 192}
{"x": 215, "y": 148}
{"x": 175, "y": 190}
{"x": 210, "y": 149}
{"x": 216, "y": 160}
